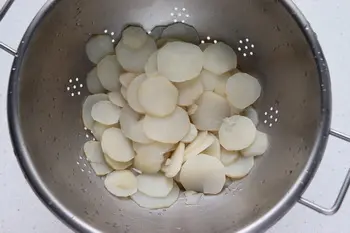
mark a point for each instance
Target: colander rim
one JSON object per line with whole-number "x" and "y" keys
{"x": 78, "y": 224}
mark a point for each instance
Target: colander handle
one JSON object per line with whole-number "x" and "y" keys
{"x": 3, "y": 12}
{"x": 341, "y": 196}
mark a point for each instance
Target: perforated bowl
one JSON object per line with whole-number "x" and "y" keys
{"x": 274, "y": 42}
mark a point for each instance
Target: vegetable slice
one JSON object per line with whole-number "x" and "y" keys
{"x": 106, "y": 112}
{"x": 126, "y": 78}
{"x": 98, "y": 47}
{"x": 116, "y": 98}
{"x": 172, "y": 169}
{"x": 108, "y": 71}
{"x": 259, "y": 146}
{"x": 132, "y": 93}
{"x": 252, "y": 114}
{"x": 240, "y": 168}
{"x": 154, "y": 185}
{"x": 214, "y": 149}
{"x": 93, "y": 83}
{"x": 118, "y": 166}
{"x": 202, "y": 142}
{"x": 151, "y": 67}
{"x": 87, "y": 107}
{"x": 181, "y": 31}
{"x": 219, "y": 58}
{"x": 134, "y": 37}
{"x": 189, "y": 92}
{"x": 191, "y": 135}
{"x": 209, "y": 80}
{"x": 121, "y": 183}
{"x": 94, "y": 155}
{"x": 228, "y": 157}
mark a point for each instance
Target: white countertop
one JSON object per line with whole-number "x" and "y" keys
{"x": 21, "y": 211}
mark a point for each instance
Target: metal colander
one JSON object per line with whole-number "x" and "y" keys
{"x": 274, "y": 43}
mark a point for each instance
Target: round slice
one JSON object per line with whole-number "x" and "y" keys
{"x": 191, "y": 135}
{"x": 105, "y": 112}
{"x": 117, "y": 146}
{"x": 219, "y": 58}
{"x": 158, "y": 96}
{"x": 151, "y": 67}
{"x": 132, "y": 93}
{"x": 118, "y": 166}
{"x": 209, "y": 80}
{"x": 93, "y": 83}
{"x": 98, "y": 130}
{"x": 98, "y": 47}
{"x": 121, "y": 183}
{"x": 252, "y": 114}
{"x": 169, "y": 129}
{"x": 123, "y": 91}
{"x": 176, "y": 160}
{"x": 134, "y": 60}
{"x": 154, "y": 185}
{"x": 203, "y": 173}
{"x": 215, "y": 148}
{"x": 259, "y": 146}
{"x": 154, "y": 147}
{"x": 212, "y": 110}
{"x": 242, "y": 90}
{"x": 189, "y": 92}
{"x": 228, "y": 157}
{"x": 237, "y": 133}
{"x": 134, "y": 37}
{"x": 87, "y": 107}
{"x": 180, "y": 61}
{"x": 116, "y": 98}
{"x": 126, "y": 78}
{"x": 220, "y": 87}
{"x": 108, "y": 71}
{"x": 94, "y": 155}
{"x": 240, "y": 168}
{"x": 181, "y": 31}
{"x": 156, "y": 203}
{"x": 204, "y": 46}
{"x": 202, "y": 142}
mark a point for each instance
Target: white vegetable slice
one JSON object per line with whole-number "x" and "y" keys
{"x": 203, "y": 173}
{"x": 154, "y": 185}
{"x": 121, "y": 183}
{"x": 93, "y": 83}
{"x": 237, "y": 133}
{"x": 134, "y": 60}
{"x": 259, "y": 146}
{"x": 189, "y": 92}
{"x": 132, "y": 93}
{"x": 180, "y": 61}
{"x": 209, "y": 80}
{"x": 169, "y": 129}
{"x": 118, "y": 166}
{"x": 94, "y": 155}
{"x": 220, "y": 87}
{"x": 156, "y": 203}
{"x": 204, "y": 46}
{"x": 212, "y": 110}
{"x": 214, "y": 149}
{"x": 155, "y": 147}
{"x": 202, "y": 142}
{"x": 151, "y": 67}
{"x": 98, "y": 130}
{"x": 240, "y": 168}
{"x": 192, "y": 197}
{"x": 117, "y": 146}
{"x": 123, "y": 91}
{"x": 116, "y": 98}
{"x": 191, "y": 135}
{"x": 132, "y": 126}
{"x": 219, "y": 58}
{"x": 106, "y": 112}
{"x": 158, "y": 96}
{"x": 98, "y": 47}
{"x": 181, "y": 31}
{"x": 228, "y": 157}
{"x": 108, "y": 72}
{"x": 252, "y": 114}
{"x": 87, "y": 107}
{"x": 177, "y": 158}
{"x": 242, "y": 90}
{"x": 163, "y": 41}
{"x": 134, "y": 37}
{"x": 126, "y": 78}
{"x": 192, "y": 109}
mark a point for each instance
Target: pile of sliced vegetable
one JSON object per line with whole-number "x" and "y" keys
{"x": 171, "y": 115}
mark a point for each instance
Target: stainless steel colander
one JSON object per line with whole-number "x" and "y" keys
{"x": 274, "y": 42}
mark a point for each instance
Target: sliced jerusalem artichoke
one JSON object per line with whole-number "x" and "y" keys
{"x": 219, "y": 58}
{"x": 209, "y": 80}
{"x": 134, "y": 60}
{"x": 105, "y": 112}
{"x": 158, "y": 96}
{"x": 180, "y": 61}
{"x": 121, "y": 183}
{"x": 93, "y": 83}
{"x": 94, "y": 155}
{"x": 191, "y": 135}
{"x": 108, "y": 71}
{"x": 126, "y": 78}
{"x": 169, "y": 129}
{"x": 212, "y": 110}
{"x": 134, "y": 37}
{"x": 203, "y": 173}
{"x": 252, "y": 114}
{"x": 214, "y": 149}
{"x": 87, "y": 107}
{"x": 242, "y": 90}
{"x": 156, "y": 203}
{"x": 202, "y": 142}
{"x": 117, "y": 146}
{"x": 118, "y": 166}
{"x": 237, "y": 133}
{"x": 189, "y": 91}
{"x": 98, "y": 47}
{"x": 117, "y": 98}
{"x": 98, "y": 129}
{"x": 240, "y": 168}
{"x": 228, "y": 157}
{"x": 132, "y": 93}
{"x": 154, "y": 185}
{"x": 172, "y": 169}
{"x": 181, "y": 31}
{"x": 151, "y": 67}
{"x": 259, "y": 146}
